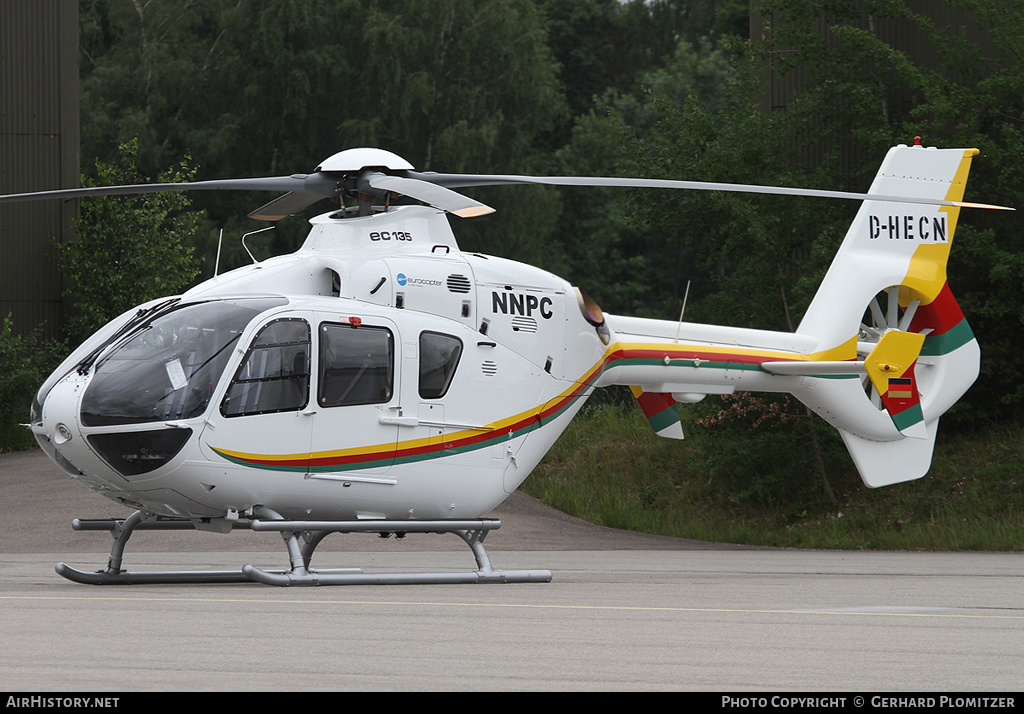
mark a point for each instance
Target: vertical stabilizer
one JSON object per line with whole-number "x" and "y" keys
{"x": 887, "y": 286}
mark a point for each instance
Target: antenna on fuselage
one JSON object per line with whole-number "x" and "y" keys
{"x": 680, "y": 325}
{"x": 250, "y": 233}
{"x": 216, "y": 263}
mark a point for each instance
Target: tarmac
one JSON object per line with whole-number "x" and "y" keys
{"x": 623, "y": 612}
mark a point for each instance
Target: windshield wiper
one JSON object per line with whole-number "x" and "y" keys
{"x": 141, "y": 317}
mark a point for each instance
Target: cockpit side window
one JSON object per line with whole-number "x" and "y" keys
{"x": 357, "y": 365}
{"x": 439, "y": 356}
{"x": 274, "y": 376}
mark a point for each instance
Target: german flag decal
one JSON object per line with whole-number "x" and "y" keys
{"x": 901, "y": 388}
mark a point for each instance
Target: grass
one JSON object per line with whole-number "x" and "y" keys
{"x": 609, "y": 468}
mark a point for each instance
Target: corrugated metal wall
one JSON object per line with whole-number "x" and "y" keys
{"x": 39, "y": 150}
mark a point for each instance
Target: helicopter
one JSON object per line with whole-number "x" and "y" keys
{"x": 381, "y": 380}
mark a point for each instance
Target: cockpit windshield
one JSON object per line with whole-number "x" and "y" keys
{"x": 168, "y": 368}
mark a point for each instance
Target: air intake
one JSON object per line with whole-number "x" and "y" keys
{"x": 524, "y": 324}
{"x": 459, "y": 284}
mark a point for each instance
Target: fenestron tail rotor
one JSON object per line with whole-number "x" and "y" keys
{"x": 878, "y": 321}
{"x": 891, "y": 352}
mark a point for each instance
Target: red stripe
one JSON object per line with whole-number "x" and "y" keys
{"x": 941, "y": 315}
{"x": 654, "y": 403}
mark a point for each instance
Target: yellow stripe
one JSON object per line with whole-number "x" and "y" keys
{"x": 847, "y": 350}
{"x": 839, "y": 353}
{"x": 927, "y": 272}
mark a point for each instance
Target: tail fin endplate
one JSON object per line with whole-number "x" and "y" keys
{"x": 891, "y": 369}
{"x": 661, "y": 412}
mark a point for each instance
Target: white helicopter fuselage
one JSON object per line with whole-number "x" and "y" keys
{"x": 356, "y": 378}
{"x": 379, "y": 374}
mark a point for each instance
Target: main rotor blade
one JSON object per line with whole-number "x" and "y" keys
{"x": 274, "y": 183}
{"x": 467, "y": 180}
{"x": 286, "y": 205}
{"x": 430, "y": 193}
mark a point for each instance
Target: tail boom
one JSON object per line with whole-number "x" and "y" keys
{"x": 918, "y": 359}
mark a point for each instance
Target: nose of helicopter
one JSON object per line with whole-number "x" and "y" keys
{"x": 109, "y": 455}
{"x": 60, "y": 435}
{"x": 124, "y": 412}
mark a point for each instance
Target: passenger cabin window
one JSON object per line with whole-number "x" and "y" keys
{"x": 357, "y": 365}
{"x": 439, "y": 356}
{"x": 274, "y": 376}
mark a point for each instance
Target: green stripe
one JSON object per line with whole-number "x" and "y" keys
{"x": 700, "y": 364}
{"x": 908, "y": 417}
{"x": 957, "y": 337}
{"x": 659, "y": 422}
{"x": 664, "y": 419}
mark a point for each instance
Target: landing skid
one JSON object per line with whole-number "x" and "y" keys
{"x": 312, "y": 533}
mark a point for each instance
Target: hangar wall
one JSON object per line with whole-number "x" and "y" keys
{"x": 39, "y": 150}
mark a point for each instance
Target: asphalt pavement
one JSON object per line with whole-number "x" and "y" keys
{"x": 623, "y": 612}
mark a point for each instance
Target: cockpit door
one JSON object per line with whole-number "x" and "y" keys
{"x": 263, "y": 420}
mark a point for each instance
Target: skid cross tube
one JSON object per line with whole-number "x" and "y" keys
{"x": 472, "y": 531}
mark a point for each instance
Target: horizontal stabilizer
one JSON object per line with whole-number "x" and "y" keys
{"x": 811, "y": 368}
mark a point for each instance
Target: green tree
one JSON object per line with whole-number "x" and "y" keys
{"x": 607, "y": 49}
{"x": 147, "y": 73}
{"x": 270, "y": 88}
{"x": 636, "y": 251}
{"x": 25, "y": 361}
{"x": 465, "y": 85}
{"x": 131, "y": 249}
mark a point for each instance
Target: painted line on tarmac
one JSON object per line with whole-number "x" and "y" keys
{"x": 882, "y": 611}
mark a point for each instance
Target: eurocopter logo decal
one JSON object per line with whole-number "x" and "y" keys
{"x": 927, "y": 229}
{"x": 404, "y": 280}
